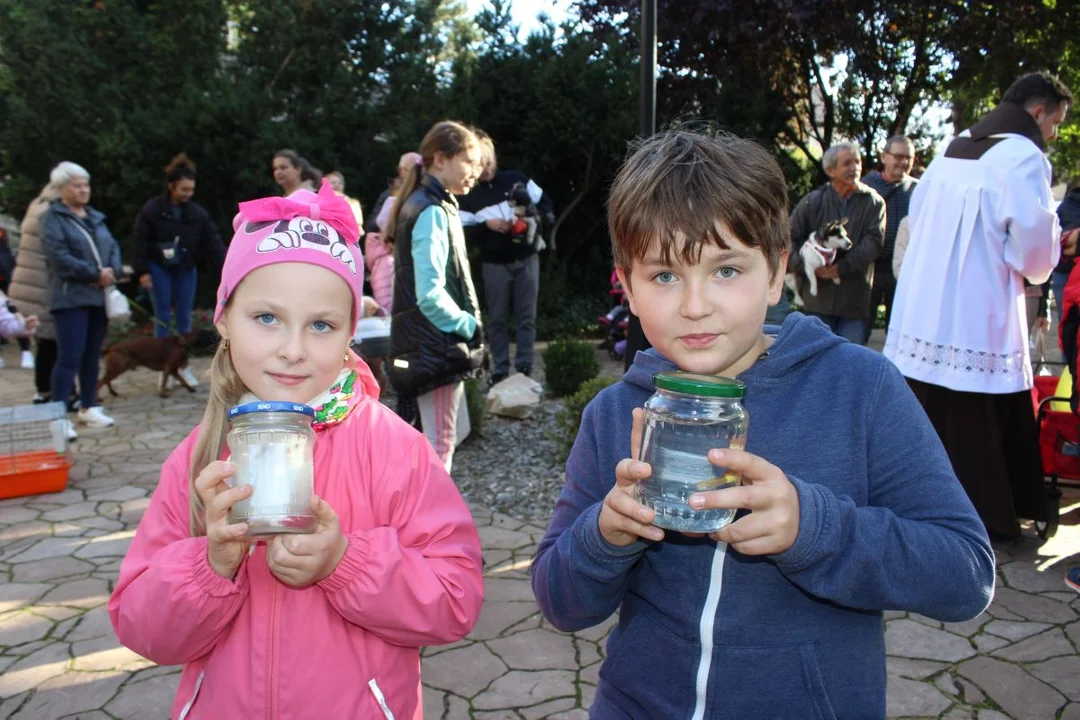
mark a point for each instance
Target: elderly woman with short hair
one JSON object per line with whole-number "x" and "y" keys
{"x": 76, "y": 237}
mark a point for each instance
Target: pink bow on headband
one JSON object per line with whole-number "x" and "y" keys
{"x": 326, "y": 206}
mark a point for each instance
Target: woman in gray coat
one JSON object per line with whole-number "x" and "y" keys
{"x": 76, "y": 237}
{"x": 29, "y": 289}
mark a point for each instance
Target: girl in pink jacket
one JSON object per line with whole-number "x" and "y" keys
{"x": 326, "y": 625}
{"x": 380, "y": 259}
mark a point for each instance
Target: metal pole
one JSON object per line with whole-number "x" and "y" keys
{"x": 647, "y": 125}
{"x": 635, "y": 338}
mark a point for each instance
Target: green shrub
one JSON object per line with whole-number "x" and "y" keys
{"x": 567, "y": 364}
{"x": 477, "y": 404}
{"x": 568, "y": 420}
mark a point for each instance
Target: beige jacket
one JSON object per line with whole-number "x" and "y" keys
{"x": 29, "y": 289}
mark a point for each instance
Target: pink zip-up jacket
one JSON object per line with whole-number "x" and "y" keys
{"x": 380, "y": 261}
{"x": 346, "y": 647}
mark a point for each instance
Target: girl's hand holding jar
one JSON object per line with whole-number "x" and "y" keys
{"x": 228, "y": 544}
{"x": 301, "y": 560}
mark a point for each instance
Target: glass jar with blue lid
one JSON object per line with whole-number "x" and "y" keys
{"x": 689, "y": 415}
{"x": 272, "y": 445}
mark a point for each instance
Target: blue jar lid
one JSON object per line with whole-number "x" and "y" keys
{"x": 261, "y": 407}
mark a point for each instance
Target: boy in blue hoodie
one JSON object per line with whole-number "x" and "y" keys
{"x": 848, "y": 506}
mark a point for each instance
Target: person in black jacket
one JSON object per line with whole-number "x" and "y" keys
{"x": 436, "y": 339}
{"x": 511, "y": 267}
{"x": 173, "y": 238}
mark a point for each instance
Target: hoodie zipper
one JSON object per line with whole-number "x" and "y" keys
{"x": 271, "y": 696}
{"x": 708, "y": 619}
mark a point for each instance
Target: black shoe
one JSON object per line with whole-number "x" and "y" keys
{"x": 497, "y": 378}
{"x": 525, "y": 370}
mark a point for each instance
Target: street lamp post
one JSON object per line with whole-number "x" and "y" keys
{"x": 635, "y": 338}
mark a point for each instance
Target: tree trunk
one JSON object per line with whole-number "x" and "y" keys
{"x": 586, "y": 186}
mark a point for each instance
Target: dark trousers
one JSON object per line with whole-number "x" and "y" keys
{"x": 993, "y": 444}
{"x": 44, "y": 362}
{"x": 514, "y": 285}
{"x": 173, "y": 293}
{"x": 883, "y": 291}
{"x": 847, "y": 328}
{"x": 79, "y": 335}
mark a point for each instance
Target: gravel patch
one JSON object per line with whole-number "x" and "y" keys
{"x": 513, "y": 468}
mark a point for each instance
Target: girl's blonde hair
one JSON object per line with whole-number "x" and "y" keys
{"x": 447, "y": 137}
{"x": 226, "y": 389}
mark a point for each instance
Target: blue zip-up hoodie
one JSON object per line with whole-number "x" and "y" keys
{"x": 705, "y": 632}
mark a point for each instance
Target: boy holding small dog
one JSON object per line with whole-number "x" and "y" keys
{"x": 848, "y": 505}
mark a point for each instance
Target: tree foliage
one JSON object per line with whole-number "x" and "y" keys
{"x": 120, "y": 86}
{"x": 802, "y": 74}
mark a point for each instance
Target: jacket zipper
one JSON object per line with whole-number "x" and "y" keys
{"x": 194, "y": 694}
{"x": 708, "y": 619}
{"x": 374, "y": 687}
{"x": 271, "y": 696}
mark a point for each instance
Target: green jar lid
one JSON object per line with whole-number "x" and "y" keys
{"x": 696, "y": 384}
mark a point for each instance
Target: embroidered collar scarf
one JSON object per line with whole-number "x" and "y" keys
{"x": 333, "y": 405}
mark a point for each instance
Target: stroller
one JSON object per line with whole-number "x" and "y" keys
{"x": 616, "y": 321}
{"x": 1056, "y": 409}
{"x": 1059, "y": 445}
{"x": 371, "y": 341}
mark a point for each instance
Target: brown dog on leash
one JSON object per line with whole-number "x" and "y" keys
{"x": 166, "y": 355}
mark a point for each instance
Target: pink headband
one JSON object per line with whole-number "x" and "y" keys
{"x": 304, "y": 227}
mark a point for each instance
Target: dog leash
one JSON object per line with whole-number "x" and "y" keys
{"x": 157, "y": 320}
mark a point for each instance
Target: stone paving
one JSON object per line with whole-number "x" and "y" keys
{"x": 59, "y": 555}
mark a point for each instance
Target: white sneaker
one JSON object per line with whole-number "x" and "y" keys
{"x": 69, "y": 429}
{"x": 170, "y": 382}
{"x": 27, "y": 360}
{"x": 95, "y": 417}
{"x": 189, "y": 377}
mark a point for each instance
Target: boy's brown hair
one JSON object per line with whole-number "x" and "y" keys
{"x": 682, "y": 188}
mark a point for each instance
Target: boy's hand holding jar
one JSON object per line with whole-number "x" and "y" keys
{"x": 773, "y": 522}
{"x": 623, "y": 520}
{"x": 770, "y": 528}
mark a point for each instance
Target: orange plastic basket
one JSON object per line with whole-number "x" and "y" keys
{"x": 34, "y": 458}
{"x": 33, "y": 473}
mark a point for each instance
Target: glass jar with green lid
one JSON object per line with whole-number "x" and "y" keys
{"x": 689, "y": 415}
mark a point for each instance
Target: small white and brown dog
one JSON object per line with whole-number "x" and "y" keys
{"x": 819, "y": 250}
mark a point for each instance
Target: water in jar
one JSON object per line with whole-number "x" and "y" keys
{"x": 678, "y": 453}
{"x": 277, "y": 464}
